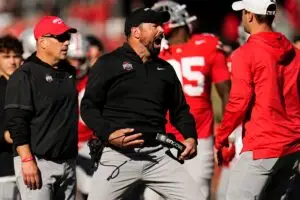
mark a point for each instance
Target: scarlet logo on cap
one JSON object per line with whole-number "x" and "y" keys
{"x": 57, "y": 21}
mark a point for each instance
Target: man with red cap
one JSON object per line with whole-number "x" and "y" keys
{"x": 41, "y": 115}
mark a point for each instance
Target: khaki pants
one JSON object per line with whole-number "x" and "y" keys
{"x": 200, "y": 169}
{"x": 9, "y": 191}
{"x": 223, "y": 184}
{"x": 225, "y": 173}
{"x": 84, "y": 170}
{"x": 58, "y": 180}
{"x": 262, "y": 179}
{"x": 119, "y": 172}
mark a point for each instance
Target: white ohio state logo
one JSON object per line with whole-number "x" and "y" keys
{"x": 57, "y": 21}
{"x": 127, "y": 66}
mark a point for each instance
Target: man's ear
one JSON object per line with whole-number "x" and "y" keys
{"x": 250, "y": 17}
{"x": 42, "y": 42}
{"x": 136, "y": 32}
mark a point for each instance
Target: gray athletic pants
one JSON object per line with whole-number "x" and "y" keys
{"x": 221, "y": 191}
{"x": 263, "y": 179}
{"x": 84, "y": 180}
{"x": 200, "y": 169}
{"x": 58, "y": 180}
{"x": 225, "y": 172}
{"x": 9, "y": 191}
{"x": 118, "y": 172}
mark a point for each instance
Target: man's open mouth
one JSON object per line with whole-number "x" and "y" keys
{"x": 157, "y": 41}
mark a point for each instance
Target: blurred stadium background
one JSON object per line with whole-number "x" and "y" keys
{"x": 105, "y": 18}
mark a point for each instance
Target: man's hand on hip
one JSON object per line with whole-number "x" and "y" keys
{"x": 31, "y": 175}
{"x": 126, "y": 138}
{"x": 190, "y": 150}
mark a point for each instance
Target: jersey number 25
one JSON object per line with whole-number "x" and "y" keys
{"x": 183, "y": 69}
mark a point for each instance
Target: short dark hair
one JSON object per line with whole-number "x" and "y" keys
{"x": 267, "y": 19}
{"x": 175, "y": 30}
{"x": 144, "y": 15}
{"x": 296, "y": 38}
{"x": 94, "y": 41}
{"x": 127, "y": 32}
{"x": 10, "y": 43}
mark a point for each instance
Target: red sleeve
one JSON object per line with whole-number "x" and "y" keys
{"x": 240, "y": 95}
{"x": 219, "y": 70}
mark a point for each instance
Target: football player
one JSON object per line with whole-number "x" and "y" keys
{"x": 77, "y": 51}
{"x": 95, "y": 49}
{"x": 28, "y": 42}
{"x": 231, "y": 155}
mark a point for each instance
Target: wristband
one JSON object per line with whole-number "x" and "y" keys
{"x": 27, "y": 159}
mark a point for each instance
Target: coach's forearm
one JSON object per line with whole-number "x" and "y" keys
{"x": 17, "y": 122}
{"x": 24, "y": 151}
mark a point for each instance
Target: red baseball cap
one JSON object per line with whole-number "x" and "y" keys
{"x": 51, "y": 25}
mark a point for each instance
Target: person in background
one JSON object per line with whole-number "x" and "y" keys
{"x": 297, "y": 42}
{"x": 232, "y": 153}
{"x": 95, "y": 49}
{"x": 11, "y": 51}
{"x": 77, "y": 57}
{"x": 28, "y": 42}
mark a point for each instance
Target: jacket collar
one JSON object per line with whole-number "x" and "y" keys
{"x": 33, "y": 58}
{"x": 128, "y": 50}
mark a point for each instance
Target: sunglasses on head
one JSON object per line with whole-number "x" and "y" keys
{"x": 61, "y": 38}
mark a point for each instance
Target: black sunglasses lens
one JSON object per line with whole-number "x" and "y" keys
{"x": 63, "y": 37}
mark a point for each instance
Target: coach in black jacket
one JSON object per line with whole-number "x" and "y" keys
{"x": 127, "y": 97}
{"x": 41, "y": 114}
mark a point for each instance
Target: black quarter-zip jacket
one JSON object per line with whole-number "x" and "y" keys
{"x": 124, "y": 92}
{"x": 41, "y": 109}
